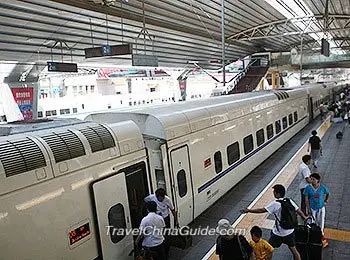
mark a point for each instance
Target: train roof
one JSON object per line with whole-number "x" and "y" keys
{"x": 25, "y": 126}
{"x": 174, "y": 120}
{"x": 32, "y": 152}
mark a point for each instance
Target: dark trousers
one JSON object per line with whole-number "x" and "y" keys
{"x": 167, "y": 221}
{"x": 158, "y": 252}
{"x": 167, "y": 242}
{"x": 303, "y": 204}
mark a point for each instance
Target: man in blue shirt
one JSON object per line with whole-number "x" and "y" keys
{"x": 316, "y": 198}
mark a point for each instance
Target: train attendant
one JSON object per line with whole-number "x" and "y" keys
{"x": 164, "y": 205}
{"x": 151, "y": 229}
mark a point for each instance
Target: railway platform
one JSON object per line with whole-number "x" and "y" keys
{"x": 282, "y": 167}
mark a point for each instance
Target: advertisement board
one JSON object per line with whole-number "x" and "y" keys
{"x": 24, "y": 99}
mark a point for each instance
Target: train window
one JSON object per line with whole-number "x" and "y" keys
{"x": 40, "y": 113}
{"x": 160, "y": 178}
{"x": 181, "y": 182}
{"x": 260, "y": 138}
{"x": 248, "y": 144}
{"x": 75, "y": 110}
{"x": 116, "y": 218}
{"x": 290, "y": 119}
{"x": 278, "y": 126}
{"x": 64, "y": 111}
{"x": 269, "y": 131}
{"x": 233, "y": 154}
{"x": 92, "y": 89}
{"x": 284, "y": 122}
{"x": 218, "y": 162}
{"x": 295, "y": 116}
{"x": 130, "y": 103}
{"x": 134, "y": 103}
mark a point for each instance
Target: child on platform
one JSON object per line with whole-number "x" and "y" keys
{"x": 262, "y": 249}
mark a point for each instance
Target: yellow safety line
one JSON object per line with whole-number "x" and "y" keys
{"x": 289, "y": 174}
{"x": 334, "y": 234}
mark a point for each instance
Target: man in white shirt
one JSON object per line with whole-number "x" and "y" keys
{"x": 151, "y": 228}
{"x": 279, "y": 235}
{"x": 304, "y": 172}
{"x": 164, "y": 205}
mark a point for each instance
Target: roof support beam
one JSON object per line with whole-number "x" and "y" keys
{"x": 139, "y": 18}
{"x": 279, "y": 28}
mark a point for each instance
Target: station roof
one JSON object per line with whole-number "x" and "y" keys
{"x": 179, "y": 33}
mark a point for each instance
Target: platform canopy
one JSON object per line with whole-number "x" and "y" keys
{"x": 177, "y": 32}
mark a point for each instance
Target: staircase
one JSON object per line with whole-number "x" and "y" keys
{"x": 251, "y": 80}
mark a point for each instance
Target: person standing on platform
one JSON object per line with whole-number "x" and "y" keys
{"x": 231, "y": 246}
{"x": 316, "y": 198}
{"x": 315, "y": 148}
{"x": 151, "y": 230}
{"x": 304, "y": 172}
{"x": 322, "y": 111}
{"x": 280, "y": 235}
{"x": 262, "y": 249}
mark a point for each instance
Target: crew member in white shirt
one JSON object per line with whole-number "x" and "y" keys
{"x": 279, "y": 235}
{"x": 304, "y": 172}
{"x": 164, "y": 205}
{"x": 151, "y": 229}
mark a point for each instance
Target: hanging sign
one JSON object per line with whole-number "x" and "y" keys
{"x": 24, "y": 100}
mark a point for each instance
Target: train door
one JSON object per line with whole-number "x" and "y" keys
{"x": 183, "y": 184}
{"x": 137, "y": 187}
{"x": 311, "y": 109}
{"x": 113, "y": 216}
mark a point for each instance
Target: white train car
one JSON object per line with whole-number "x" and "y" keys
{"x": 199, "y": 150}
{"x": 58, "y": 181}
{"x": 64, "y": 182}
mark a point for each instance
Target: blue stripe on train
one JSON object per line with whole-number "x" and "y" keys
{"x": 236, "y": 164}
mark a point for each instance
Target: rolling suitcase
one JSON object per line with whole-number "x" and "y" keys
{"x": 308, "y": 239}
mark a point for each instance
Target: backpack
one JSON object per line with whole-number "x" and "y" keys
{"x": 289, "y": 218}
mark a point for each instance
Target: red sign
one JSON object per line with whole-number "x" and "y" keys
{"x": 79, "y": 233}
{"x": 24, "y": 100}
{"x": 207, "y": 163}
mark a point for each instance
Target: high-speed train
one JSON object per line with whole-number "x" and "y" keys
{"x": 74, "y": 189}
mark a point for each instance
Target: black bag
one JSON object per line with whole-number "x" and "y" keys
{"x": 289, "y": 218}
{"x": 308, "y": 239}
{"x": 339, "y": 135}
{"x": 180, "y": 241}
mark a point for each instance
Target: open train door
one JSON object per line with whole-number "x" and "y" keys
{"x": 112, "y": 209}
{"x": 311, "y": 108}
{"x": 183, "y": 184}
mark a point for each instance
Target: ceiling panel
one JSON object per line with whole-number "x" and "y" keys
{"x": 177, "y": 32}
